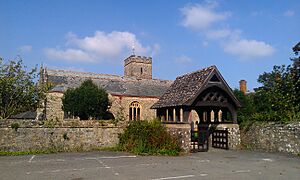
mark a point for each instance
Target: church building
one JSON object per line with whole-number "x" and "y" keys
{"x": 131, "y": 96}
{"x": 137, "y": 96}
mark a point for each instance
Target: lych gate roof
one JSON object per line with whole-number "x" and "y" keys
{"x": 113, "y": 84}
{"x": 186, "y": 88}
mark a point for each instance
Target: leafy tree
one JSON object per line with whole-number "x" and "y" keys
{"x": 278, "y": 99}
{"x": 248, "y": 106}
{"x": 86, "y": 101}
{"x": 19, "y": 92}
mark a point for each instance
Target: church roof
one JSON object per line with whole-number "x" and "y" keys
{"x": 186, "y": 88}
{"x": 113, "y": 84}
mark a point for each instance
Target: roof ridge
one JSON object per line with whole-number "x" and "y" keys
{"x": 81, "y": 72}
{"x": 203, "y": 69}
{"x": 93, "y": 75}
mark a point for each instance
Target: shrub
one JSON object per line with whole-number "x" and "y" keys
{"x": 149, "y": 138}
{"x": 15, "y": 126}
{"x": 86, "y": 101}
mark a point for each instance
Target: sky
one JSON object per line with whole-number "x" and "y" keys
{"x": 242, "y": 38}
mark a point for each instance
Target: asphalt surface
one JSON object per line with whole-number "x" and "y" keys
{"x": 215, "y": 164}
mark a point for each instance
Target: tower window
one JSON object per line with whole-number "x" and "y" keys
{"x": 141, "y": 70}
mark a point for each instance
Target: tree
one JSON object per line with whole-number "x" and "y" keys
{"x": 278, "y": 99}
{"x": 248, "y": 108}
{"x": 19, "y": 92}
{"x": 86, "y": 101}
{"x": 279, "y": 93}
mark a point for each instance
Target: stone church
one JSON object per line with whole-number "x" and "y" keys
{"x": 131, "y": 96}
{"x": 135, "y": 96}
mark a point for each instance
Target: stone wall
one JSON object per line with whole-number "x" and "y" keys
{"x": 54, "y": 106}
{"x": 120, "y": 104}
{"x": 234, "y": 137}
{"x": 61, "y": 136}
{"x": 183, "y": 133}
{"x": 272, "y": 137}
{"x": 138, "y": 66}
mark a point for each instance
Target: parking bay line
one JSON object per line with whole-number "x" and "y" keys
{"x": 174, "y": 177}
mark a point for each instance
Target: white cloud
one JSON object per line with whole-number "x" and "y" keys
{"x": 25, "y": 48}
{"x": 69, "y": 68}
{"x": 289, "y": 13}
{"x": 99, "y": 47}
{"x": 248, "y": 49}
{"x": 183, "y": 59}
{"x": 214, "y": 26}
{"x": 257, "y": 13}
{"x": 221, "y": 33}
{"x": 69, "y": 55}
{"x": 202, "y": 16}
{"x": 205, "y": 43}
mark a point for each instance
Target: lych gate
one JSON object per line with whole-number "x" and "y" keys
{"x": 207, "y": 93}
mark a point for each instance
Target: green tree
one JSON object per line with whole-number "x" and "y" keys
{"x": 248, "y": 108}
{"x": 86, "y": 101}
{"x": 19, "y": 91}
{"x": 279, "y": 94}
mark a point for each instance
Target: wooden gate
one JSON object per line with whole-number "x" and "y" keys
{"x": 199, "y": 138}
{"x": 220, "y": 139}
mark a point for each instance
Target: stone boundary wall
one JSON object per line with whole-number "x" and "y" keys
{"x": 234, "y": 138}
{"x": 272, "y": 137}
{"x": 183, "y": 133}
{"x": 71, "y": 135}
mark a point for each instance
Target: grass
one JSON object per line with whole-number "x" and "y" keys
{"x": 20, "y": 153}
{"x": 53, "y": 151}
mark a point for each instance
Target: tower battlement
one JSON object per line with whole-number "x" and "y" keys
{"x": 138, "y": 66}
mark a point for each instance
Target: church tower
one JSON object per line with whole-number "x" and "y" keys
{"x": 139, "y": 67}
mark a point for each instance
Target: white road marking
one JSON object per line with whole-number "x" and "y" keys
{"x": 108, "y": 157}
{"x": 78, "y": 169}
{"x": 116, "y": 157}
{"x": 205, "y": 160}
{"x": 203, "y": 175}
{"x": 101, "y": 162}
{"x": 31, "y": 158}
{"x": 175, "y": 177}
{"x": 241, "y": 171}
{"x": 55, "y": 171}
{"x": 268, "y": 160}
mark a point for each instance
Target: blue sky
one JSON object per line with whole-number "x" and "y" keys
{"x": 242, "y": 38}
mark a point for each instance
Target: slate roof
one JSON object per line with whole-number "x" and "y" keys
{"x": 184, "y": 88}
{"x": 113, "y": 84}
{"x": 25, "y": 115}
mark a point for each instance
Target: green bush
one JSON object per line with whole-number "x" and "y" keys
{"x": 148, "y": 138}
{"x": 15, "y": 126}
{"x": 86, "y": 101}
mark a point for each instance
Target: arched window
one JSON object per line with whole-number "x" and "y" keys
{"x": 135, "y": 111}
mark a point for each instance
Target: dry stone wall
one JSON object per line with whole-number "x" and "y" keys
{"x": 183, "y": 133}
{"x": 272, "y": 137}
{"x": 64, "y": 136}
{"x": 234, "y": 137}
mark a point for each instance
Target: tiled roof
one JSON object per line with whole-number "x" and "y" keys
{"x": 113, "y": 84}
{"x": 184, "y": 88}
